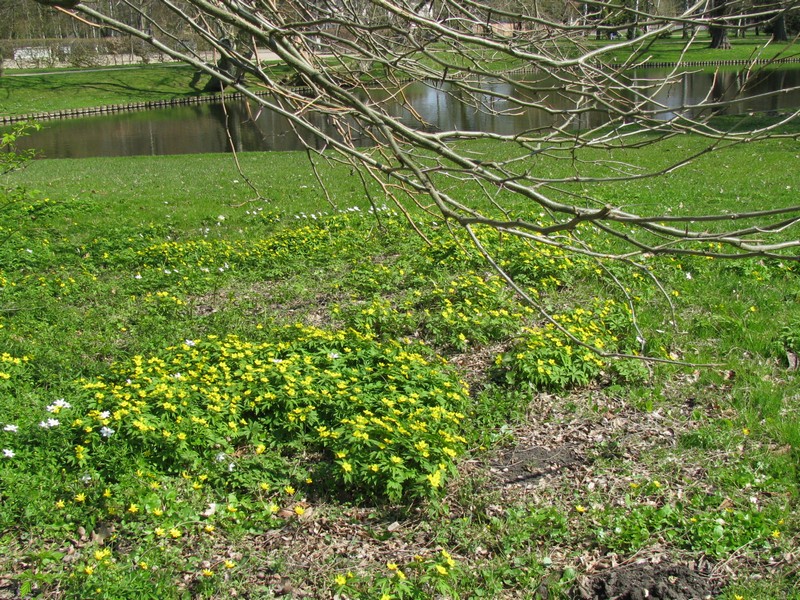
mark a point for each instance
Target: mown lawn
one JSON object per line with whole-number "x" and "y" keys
{"x": 697, "y": 50}
{"x": 208, "y": 392}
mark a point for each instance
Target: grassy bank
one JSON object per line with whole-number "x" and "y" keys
{"x": 53, "y": 90}
{"x": 673, "y": 49}
{"x": 30, "y": 92}
{"x": 208, "y": 392}
{"x": 45, "y": 91}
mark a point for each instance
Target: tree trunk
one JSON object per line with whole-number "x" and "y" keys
{"x": 719, "y": 38}
{"x": 779, "y": 29}
{"x": 718, "y": 28}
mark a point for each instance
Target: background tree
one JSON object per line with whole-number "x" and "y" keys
{"x": 783, "y": 23}
{"x": 718, "y": 24}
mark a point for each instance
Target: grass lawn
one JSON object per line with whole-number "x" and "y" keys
{"x": 53, "y": 90}
{"x": 30, "y": 91}
{"x": 210, "y": 392}
{"x": 674, "y": 48}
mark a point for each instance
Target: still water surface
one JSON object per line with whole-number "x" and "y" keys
{"x": 201, "y": 128}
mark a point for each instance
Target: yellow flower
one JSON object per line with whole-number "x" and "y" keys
{"x": 60, "y": 504}
{"x": 133, "y": 509}
{"x": 776, "y": 534}
{"x": 260, "y": 449}
{"x": 299, "y": 510}
{"x": 101, "y": 554}
{"x": 347, "y": 467}
{"x": 441, "y": 570}
{"x": 435, "y": 479}
{"x": 448, "y": 559}
{"x": 80, "y": 497}
{"x": 340, "y": 579}
{"x": 88, "y": 570}
{"x": 229, "y": 564}
{"x": 391, "y": 566}
{"x": 580, "y": 508}
{"x": 158, "y": 512}
{"x": 143, "y": 565}
{"x": 159, "y": 531}
{"x": 209, "y": 529}
{"x": 386, "y": 597}
{"x": 107, "y": 493}
{"x": 207, "y": 573}
{"x": 264, "y": 486}
{"x": 289, "y": 490}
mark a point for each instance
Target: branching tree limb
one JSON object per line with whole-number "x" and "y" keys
{"x": 349, "y": 56}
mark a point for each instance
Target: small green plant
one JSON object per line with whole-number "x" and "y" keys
{"x": 422, "y": 577}
{"x": 10, "y": 158}
{"x": 787, "y": 346}
{"x": 15, "y": 201}
{"x": 548, "y": 358}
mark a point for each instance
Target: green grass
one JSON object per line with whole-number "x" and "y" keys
{"x": 673, "y": 49}
{"x": 243, "y": 349}
{"x": 62, "y": 89}
{"x": 53, "y": 90}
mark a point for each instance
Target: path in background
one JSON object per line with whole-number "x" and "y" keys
{"x": 110, "y": 63}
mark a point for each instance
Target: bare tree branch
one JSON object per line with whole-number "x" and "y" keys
{"x": 350, "y": 56}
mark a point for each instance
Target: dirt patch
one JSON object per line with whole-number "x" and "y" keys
{"x": 524, "y": 464}
{"x": 475, "y": 364}
{"x": 309, "y": 310}
{"x": 640, "y": 581}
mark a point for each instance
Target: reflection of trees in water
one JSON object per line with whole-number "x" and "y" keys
{"x": 242, "y": 126}
{"x": 725, "y": 92}
{"x": 742, "y": 91}
{"x": 232, "y": 118}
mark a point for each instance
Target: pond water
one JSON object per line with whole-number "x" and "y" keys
{"x": 201, "y": 128}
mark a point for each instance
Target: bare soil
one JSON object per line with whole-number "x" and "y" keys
{"x": 640, "y": 581}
